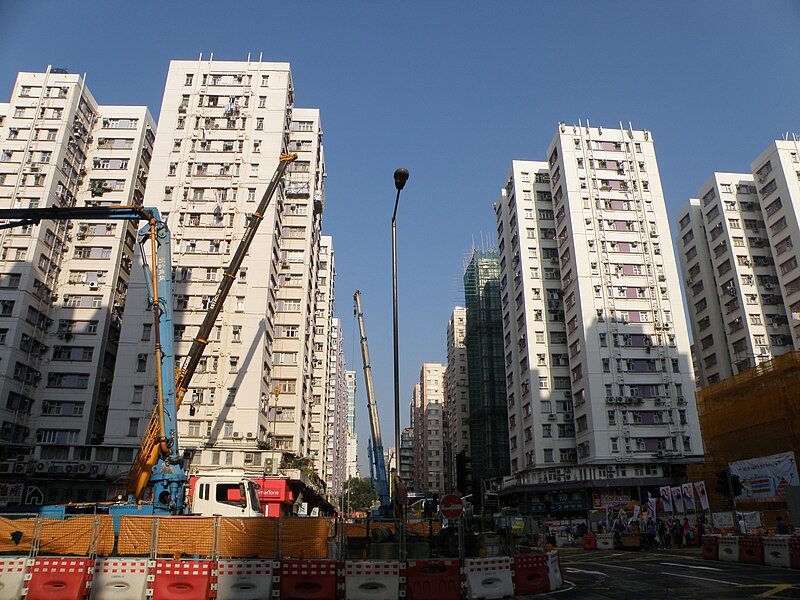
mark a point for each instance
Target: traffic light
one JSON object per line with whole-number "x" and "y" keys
{"x": 736, "y": 485}
{"x": 722, "y": 485}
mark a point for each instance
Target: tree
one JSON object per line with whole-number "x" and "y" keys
{"x": 357, "y": 495}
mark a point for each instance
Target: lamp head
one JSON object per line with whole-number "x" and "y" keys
{"x": 400, "y": 178}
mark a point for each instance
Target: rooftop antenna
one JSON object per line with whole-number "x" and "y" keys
{"x": 248, "y": 58}
{"x": 211, "y": 58}
{"x": 199, "y": 58}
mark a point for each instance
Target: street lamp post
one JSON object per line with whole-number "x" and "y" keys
{"x": 400, "y": 178}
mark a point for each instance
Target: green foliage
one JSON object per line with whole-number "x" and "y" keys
{"x": 358, "y": 495}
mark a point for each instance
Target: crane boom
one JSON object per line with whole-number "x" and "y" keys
{"x": 151, "y": 448}
{"x": 377, "y": 461}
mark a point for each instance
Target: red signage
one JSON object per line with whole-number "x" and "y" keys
{"x": 273, "y": 490}
{"x": 451, "y": 506}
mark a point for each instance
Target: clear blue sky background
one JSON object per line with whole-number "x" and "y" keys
{"x": 453, "y": 91}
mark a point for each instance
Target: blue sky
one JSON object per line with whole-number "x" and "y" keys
{"x": 453, "y": 91}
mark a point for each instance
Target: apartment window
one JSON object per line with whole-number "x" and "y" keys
{"x": 133, "y": 427}
{"x": 138, "y": 393}
{"x": 141, "y": 363}
{"x": 147, "y": 330}
{"x": 234, "y": 364}
{"x": 189, "y": 79}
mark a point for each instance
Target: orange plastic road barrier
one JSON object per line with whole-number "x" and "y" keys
{"x": 60, "y": 579}
{"x": 590, "y": 541}
{"x": 711, "y": 547}
{"x": 531, "y": 574}
{"x": 183, "y": 580}
{"x": 751, "y": 549}
{"x": 433, "y": 580}
{"x": 309, "y": 580}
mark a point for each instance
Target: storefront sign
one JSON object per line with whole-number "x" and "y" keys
{"x": 11, "y": 493}
{"x": 611, "y": 497}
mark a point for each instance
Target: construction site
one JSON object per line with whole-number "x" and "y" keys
{"x": 755, "y": 413}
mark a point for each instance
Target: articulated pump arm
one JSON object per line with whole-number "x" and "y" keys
{"x": 380, "y": 480}
{"x": 155, "y": 444}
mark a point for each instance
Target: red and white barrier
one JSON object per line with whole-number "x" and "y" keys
{"x": 554, "y": 571}
{"x": 488, "y": 578}
{"x": 605, "y": 541}
{"x": 119, "y": 579}
{"x": 245, "y": 579}
{"x": 530, "y": 574}
{"x": 711, "y": 546}
{"x": 776, "y": 551}
{"x": 182, "y": 579}
{"x": 374, "y": 579}
{"x": 729, "y": 548}
{"x": 58, "y": 578}
{"x": 12, "y": 577}
{"x": 309, "y": 580}
{"x": 433, "y": 579}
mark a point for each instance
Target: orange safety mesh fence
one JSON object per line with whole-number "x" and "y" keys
{"x": 305, "y": 537}
{"x": 77, "y": 536}
{"x": 421, "y": 528}
{"x": 248, "y": 537}
{"x": 16, "y": 534}
{"x": 192, "y": 536}
{"x": 135, "y": 535}
{"x": 755, "y": 413}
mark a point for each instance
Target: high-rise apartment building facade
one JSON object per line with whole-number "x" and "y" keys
{"x": 352, "y": 437}
{"x": 63, "y": 285}
{"x": 456, "y": 401}
{"x": 428, "y": 429}
{"x": 735, "y": 244}
{"x": 599, "y": 376}
{"x": 327, "y": 346}
{"x": 777, "y": 174}
{"x": 224, "y": 125}
{"x": 336, "y": 431}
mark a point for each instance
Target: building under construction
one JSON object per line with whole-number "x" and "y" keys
{"x": 755, "y": 413}
{"x": 488, "y": 416}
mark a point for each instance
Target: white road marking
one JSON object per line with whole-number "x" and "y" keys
{"x": 574, "y": 570}
{"x": 690, "y": 566}
{"x": 611, "y": 566}
{"x": 702, "y": 578}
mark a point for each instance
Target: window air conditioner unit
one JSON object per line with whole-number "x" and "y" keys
{"x": 551, "y": 417}
{"x": 250, "y": 435}
{"x": 92, "y": 285}
{"x": 236, "y": 434}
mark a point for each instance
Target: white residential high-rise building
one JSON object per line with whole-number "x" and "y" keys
{"x": 599, "y": 377}
{"x": 336, "y": 430}
{"x": 428, "y": 427}
{"x": 223, "y": 126}
{"x": 736, "y": 250}
{"x": 352, "y": 436}
{"x": 777, "y": 174}
{"x": 456, "y": 401}
{"x": 736, "y": 310}
{"x": 326, "y": 346}
{"x": 63, "y": 285}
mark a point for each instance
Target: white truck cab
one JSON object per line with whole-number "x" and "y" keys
{"x": 225, "y": 496}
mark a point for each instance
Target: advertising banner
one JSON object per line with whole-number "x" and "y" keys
{"x": 666, "y": 498}
{"x": 700, "y": 488}
{"x": 11, "y": 493}
{"x": 687, "y": 491}
{"x": 766, "y": 478}
{"x": 677, "y": 499}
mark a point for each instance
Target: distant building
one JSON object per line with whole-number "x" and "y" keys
{"x": 407, "y": 458}
{"x": 352, "y": 436}
{"x": 428, "y": 429}
{"x": 456, "y": 401}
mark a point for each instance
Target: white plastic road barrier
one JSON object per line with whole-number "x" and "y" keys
{"x": 12, "y": 576}
{"x": 729, "y": 548}
{"x": 245, "y": 579}
{"x": 373, "y": 580}
{"x": 777, "y": 552}
{"x": 605, "y": 541}
{"x": 554, "y": 570}
{"x": 119, "y": 579}
{"x": 488, "y": 578}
